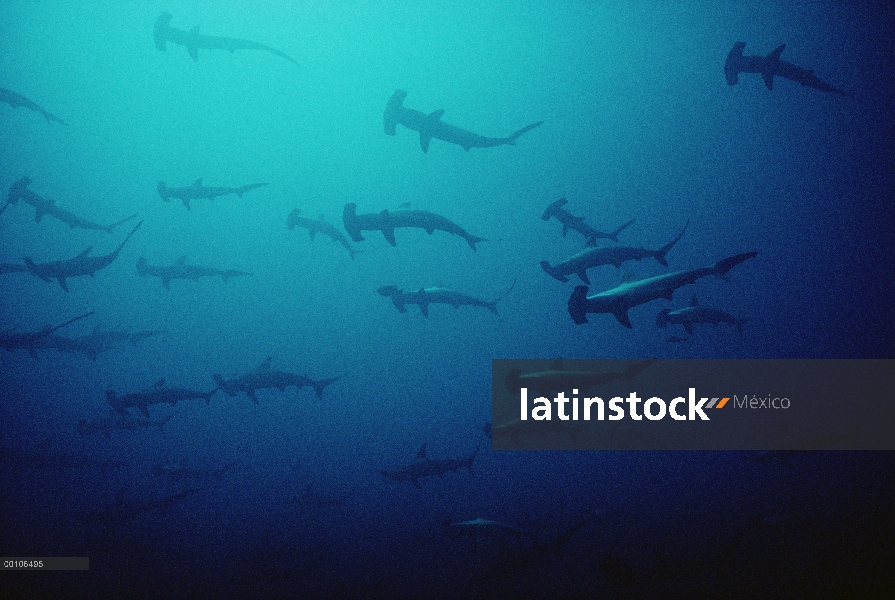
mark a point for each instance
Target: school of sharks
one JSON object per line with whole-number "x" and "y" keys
{"x": 248, "y": 441}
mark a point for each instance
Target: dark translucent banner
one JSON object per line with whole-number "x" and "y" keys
{"x": 693, "y": 404}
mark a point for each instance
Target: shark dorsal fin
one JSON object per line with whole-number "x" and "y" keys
{"x": 265, "y": 366}
{"x": 198, "y": 182}
{"x": 775, "y": 55}
{"x": 694, "y": 301}
{"x": 557, "y": 365}
{"x": 85, "y": 252}
{"x": 384, "y": 212}
{"x": 159, "y": 384}
{"x": 422, "y": 452}
{"x": 436, "y": 115}
{"x": 180, "y": 261}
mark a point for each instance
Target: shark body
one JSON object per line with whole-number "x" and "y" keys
{"x": 16, "y": 100}
{"x": 694, "y": 314}
{"x": 198, "y": 191}
{"x": 771, "y": 66}
{"x": 569, "y": 221}
{"x": 157, "y": 394}
{"x": 80, "y": 265}
{"x": 46, "y": 207}
{"x": 422, "y": 466}
{"x": 431, "y": 126}
{"x": 319, "y": 225}
{"x": 181, "y": 270}
{"x": 263, "y": 378}
{"x": 614, "y": 255}
{"x": 387, "y": 221}
{"x": 436, "y": 295}
{"x": 164, "y": 33}
{"x": 618, "y": 300}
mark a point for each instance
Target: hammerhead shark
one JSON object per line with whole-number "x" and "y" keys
{"x": 116, "y": 422}
{"x": 16, "y": 100}
{"x": 44, "y": 206}
{"x": 769, "y": 66}
{"x": 319, "y": 225}
{"x": 157, "y": 394}
{"x": 263, "y": 378}
{"x": 178, "y": 472}
{"x": 30, "y": 341}
{"x": 431, "y": 126}
{"x": 163, "y": 33}
{"x": 697, "y": 314}
{"x": 436, "y": 295}
{"x": 181, "y": 270}
{"x": 619, "y": 299}
{"x": 386, "y": 222}
{"x": 422, "y": 466}
{"x": 592, "y": 257}
{"x": 557, "y": 378}
{"x": 101, "y": 340}
{"x": 569, "y": 221}
{"x": 60, "y": 270}
{"x": 197, "y": 191}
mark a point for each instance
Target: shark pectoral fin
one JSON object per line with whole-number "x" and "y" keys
{"x": 252, "y": 395}
{"x": 421, "y": 453}
{"x": 312, "y": 233}
{"x": 38, "y": 215}
{"x": 389, "y": 234}
{"x": 689, "y": 328}
{"x": 85, "y": 252}
{"x": 186, "y": 203}
{"x": 424, "y": 308}
{"x": 166, "y": 281}
{"x": 582, "y": 275}
{"x": 622, "y": 316}
{"x": 425, "y": 138}
{"x": 144, "y": 409}
{"x": 63, "y": 284}
{"x": 194, "y": 52}
{"x": 768, "y": 80}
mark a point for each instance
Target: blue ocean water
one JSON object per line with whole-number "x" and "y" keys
{"x": 638, "y": 123}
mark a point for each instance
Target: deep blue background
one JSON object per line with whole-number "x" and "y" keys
{"x": 638, "y": 123}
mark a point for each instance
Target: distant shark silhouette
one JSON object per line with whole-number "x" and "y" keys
{"x": 569, "y": 221}
{"x": 157, "y": 394}
{"x": 163, "y": 33}
{"x": 386, "y": 222}
{"x": 16, "y": 100}
{"x": 263, "y": 377}
{"x": 697, "y": 314}
{"x": 60, "y": 270}
{"x": 423, "y": 466}
{"x": 770, "y": 66}
{"x": 181, "y": 270}
{"x": 436, "y": 295}
{"x": 614, "y": 255}
{"x": 30, "y": 341}
{"x": 319, "y": 225}
{"x": 43, "y": 206}
{"x": 618, "y": 300}
{"x": 431, "y": 126}
{"x": 197, "y": 191}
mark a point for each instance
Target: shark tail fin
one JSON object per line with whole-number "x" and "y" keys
{"x": 578, "y": 304}
{"x": 723, "y": 266}
{"x": 321, "y": 384}
{"x": 122, "y": 221}
{"x": 473, "y": 240}
{"x": 661, "y": 252}
{"x": 492, "y": 306}
{"x": 553, "y": 271}
{"x": 512, "y": 139}
{"x": 614, "y": 235}
{"x": 662, "y": 318}
{"x": 739, "y": 324}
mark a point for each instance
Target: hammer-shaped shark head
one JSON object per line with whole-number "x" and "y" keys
{"x": 160, "y": 31}
{"x": 390, "y": 118}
